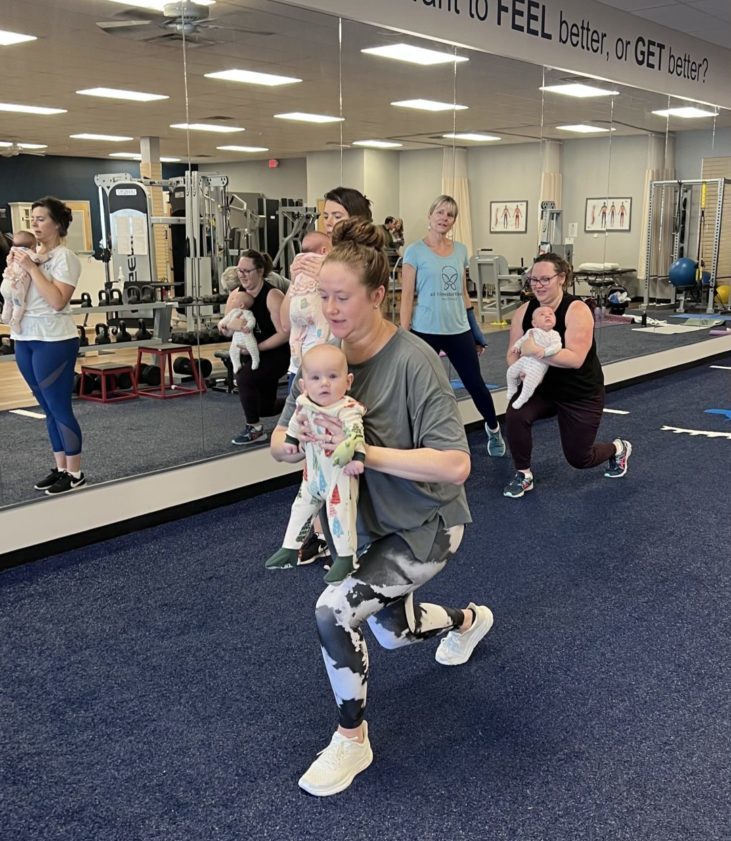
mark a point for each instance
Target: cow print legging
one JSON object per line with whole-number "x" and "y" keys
{"x": 380, "y": 592}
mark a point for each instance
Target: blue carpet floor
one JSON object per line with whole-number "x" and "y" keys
{"x": 164, "y": 687}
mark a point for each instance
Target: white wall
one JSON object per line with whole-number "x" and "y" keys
{"x": 589, "y": 172}
{"x": 692, "y": 146}
{"x": 288, "y": 180}
{"x": 381, "y": 183}
{"x": 420, "y": 182}
{"x": 501, "y": 173}
{"x": 326, "y": 170}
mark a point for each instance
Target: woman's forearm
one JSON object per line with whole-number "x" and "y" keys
{"x": 420, "y": 465}
{"x": 275, "y": 341}
{"x": 48, "y": 289}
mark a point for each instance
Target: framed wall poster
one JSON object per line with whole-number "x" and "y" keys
{"x": 610, "y": 214}
{"x": 508, "y": 217}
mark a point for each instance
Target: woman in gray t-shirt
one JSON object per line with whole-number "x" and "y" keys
{"x": 412, "y": 508}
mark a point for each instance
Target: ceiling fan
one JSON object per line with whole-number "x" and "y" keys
{"x": 12, "y": 150}
{"x": 174, "y": 22}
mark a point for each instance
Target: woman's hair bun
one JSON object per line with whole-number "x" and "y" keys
{"x": 359, "y": 231}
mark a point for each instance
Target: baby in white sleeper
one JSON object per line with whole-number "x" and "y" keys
{"x": 529, "y": 369}
{"x": 242, "y": 323}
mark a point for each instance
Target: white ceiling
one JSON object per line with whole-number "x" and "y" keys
{"x": 72, "y": 53}
{"x": 709, "y": 20}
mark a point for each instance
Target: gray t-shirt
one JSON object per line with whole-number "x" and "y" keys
{"x": 409, "y": 404}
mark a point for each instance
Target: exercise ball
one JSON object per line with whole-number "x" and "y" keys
{"x": 722, "y": 293}
{"x": 682, "y": 272}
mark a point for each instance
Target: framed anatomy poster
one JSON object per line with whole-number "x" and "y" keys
{"x": 508, "y": 217}
{"x": 612, "y": 214}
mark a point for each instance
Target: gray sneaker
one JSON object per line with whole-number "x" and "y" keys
{"x": 250, "y": 435}
{"x": 457, "y": 647}
{"x": 495, "y": 443}
{"x": 617, "y": 466}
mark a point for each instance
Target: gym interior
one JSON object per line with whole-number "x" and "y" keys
{"x": 590, "y": 735}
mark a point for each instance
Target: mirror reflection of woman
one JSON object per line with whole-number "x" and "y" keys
{"x": 258, "y": 388}
{"x": 434, "y": 271}
{"x": 47, "y": 342}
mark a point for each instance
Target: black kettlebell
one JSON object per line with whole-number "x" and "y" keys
{"x": 122, "y": 334}
{"x": 102, "y": 334}
{"x": 83, "y": 338}
{"x": 143, "y": 334}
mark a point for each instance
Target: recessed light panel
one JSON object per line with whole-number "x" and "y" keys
{"x": 136, "y": 156}
{"x": 242, "y": 148}
{"x": 7, "y": 39}
{"x": 301, "y": 117}
{"x": 158, "y": 5}
{"x": 377, "y": 144}
{"x": 578, "y": 89}
{"x": 32, "y": 145}
{"x": 414, "y": 55}
{"x": 686, "y": 112}
{"x": 115, "y": 93}
{"x": 208, "y": 127}
{"x": 429, "y": 105}
{"x": 580, "y": 128}
{"x": 476, "y": 137}
{"x": 30, "y": 109}
{"x": 249, "y": 77}
{"x": 112, "y": 138}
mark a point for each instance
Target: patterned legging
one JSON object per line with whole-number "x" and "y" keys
{"x": 380, "y": 592}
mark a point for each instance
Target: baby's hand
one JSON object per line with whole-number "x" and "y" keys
{"x": 354, "y": 468}
{"x": 290, "y": 449}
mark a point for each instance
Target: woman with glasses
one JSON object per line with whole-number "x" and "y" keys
{"x": 442, "y": 315}
{"x": 258, "y": 388}
{"x": 573, "y": 388}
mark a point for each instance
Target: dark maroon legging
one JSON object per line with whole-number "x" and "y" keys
{"x": 578, "y": 424}
{"x": 258, "y": 389}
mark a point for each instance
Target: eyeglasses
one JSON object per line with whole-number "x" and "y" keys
{"x": 540, "y": 281}
{"x": 246, "y": 271}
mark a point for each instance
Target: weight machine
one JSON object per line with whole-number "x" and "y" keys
{"x": 550, "y": 238}
{"x": 686, "y": 220}
{"x": 295, "y": 220}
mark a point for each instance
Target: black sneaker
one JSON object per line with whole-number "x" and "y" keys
{"x": 617, "y": 466}
{"x": 65, "y": 483}
{"x": 51, "y": 479}
{"x": 313, "y": 548}
{"x": 250, "y": 435}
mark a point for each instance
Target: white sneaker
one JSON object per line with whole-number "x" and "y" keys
{"x": 456, "y": 648}
{"x": 338, "y": 765}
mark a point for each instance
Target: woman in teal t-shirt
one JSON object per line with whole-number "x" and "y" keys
{"x": 434, "y": 270}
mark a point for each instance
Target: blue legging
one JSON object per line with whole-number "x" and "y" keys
{"x": 48, "y": 368}
{"x": 460, "y": 350}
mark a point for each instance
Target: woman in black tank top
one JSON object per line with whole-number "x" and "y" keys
{"x": 573, "y": 387}
{"x": 258, "y": 388}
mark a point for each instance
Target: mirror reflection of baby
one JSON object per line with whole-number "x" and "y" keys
{"x": 17, "y": 281}
{"x": 330, "y": 476}
{"x": 241, "y": 323}
{"x": 529, "y": 369}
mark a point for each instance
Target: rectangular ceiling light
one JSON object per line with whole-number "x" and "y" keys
{"x": 242, "y": 148}
{"x": 158, "y": 5}
{"x": 414, "y": 55}
{"x": 472, "y": 135}
{"x": 112, "y": 138}
{"x": 377, "y": 144}
{"x": 30, "y": 109}
{"x": 429, "y": 105}
{"x": 115, "y": 93}
{"x": 580, "y": 128}
{"x": 32, "y": 145}
{"x": 208, "y": 127}
{"x": 250, "y": 77}
{"x": 578, "y": 89}
{"x": 136, "y": 156}
{"x": 301, "y": 117}
{"x": 9, "y": 38}
{"x": 687, "y": 112}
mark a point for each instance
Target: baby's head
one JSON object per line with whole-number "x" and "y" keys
{"x": 24, "y": 239}
{"x": 315, "y": 242}
{"x": 544, "y": 318}
{"x": 325, "y": 377}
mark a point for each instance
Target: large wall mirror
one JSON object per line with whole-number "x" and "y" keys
{"x": 233, "y": 170}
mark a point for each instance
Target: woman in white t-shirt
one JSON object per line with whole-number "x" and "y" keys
{"x": 47, "y": 343}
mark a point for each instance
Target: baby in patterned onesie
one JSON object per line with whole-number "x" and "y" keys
{"x": 528, "y": 368}
{"x": 16, "y": 281}
{"x": 242, "y": 323}
{"x": 330, "y": 474}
